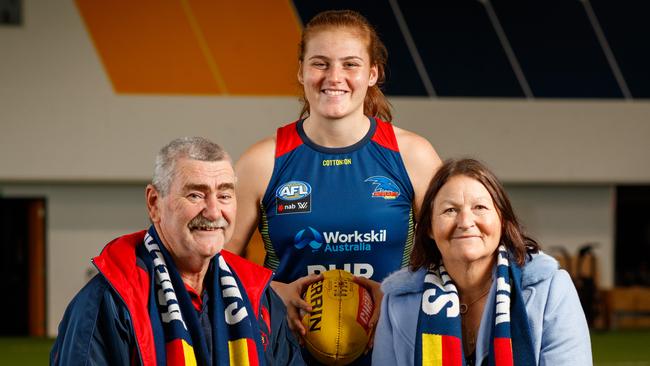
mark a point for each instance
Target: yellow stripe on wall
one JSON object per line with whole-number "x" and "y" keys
{"x": 431, "y": 350}
{"x": 200, "y": 38}
{"x": 254, "y": 43}
{"x": 147, "y": 46}
{"x": 196, "y": 46}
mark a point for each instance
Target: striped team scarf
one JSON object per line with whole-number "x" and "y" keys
{"x": 438, "y": 341}
{"x": 178, "y": 335}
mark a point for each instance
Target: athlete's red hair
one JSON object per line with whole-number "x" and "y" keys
{"x": 375, "y": 103}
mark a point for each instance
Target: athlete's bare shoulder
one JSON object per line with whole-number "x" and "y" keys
{"x": 257, "y": 158}
{"x": 420, "y": 160}
{"x": 412, "y": 145}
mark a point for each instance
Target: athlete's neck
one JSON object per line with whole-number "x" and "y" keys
{"x": 335, "y": 133}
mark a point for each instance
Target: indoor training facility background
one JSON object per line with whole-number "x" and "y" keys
{"x": 552, "y": 95}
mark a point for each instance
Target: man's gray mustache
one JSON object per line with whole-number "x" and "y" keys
{"x": 201, "y": 221}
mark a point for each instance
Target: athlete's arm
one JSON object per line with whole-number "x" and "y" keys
{"x": 421, "y": 162}
{"x": 253, "y": 171}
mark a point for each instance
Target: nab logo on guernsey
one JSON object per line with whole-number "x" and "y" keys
{"x": 384, "y": 188}
{"x": 293, "y": 197}
{"x": 336, "y": 241}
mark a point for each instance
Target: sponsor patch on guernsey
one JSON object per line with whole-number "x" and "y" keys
{"x": 337, "y": 162}
{"x": 293, "y": 197}
{"x": 383, "y": 187}
{"x": 337, "y": 241}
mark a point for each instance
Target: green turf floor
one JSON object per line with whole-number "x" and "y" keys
{"x": 621, "y": 348}
{"x": 25, "y": 351}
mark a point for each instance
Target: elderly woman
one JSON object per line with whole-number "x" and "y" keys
{"x": 478, "y": 290}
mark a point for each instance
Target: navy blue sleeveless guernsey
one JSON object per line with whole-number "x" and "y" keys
{"x": 346, "y": 208}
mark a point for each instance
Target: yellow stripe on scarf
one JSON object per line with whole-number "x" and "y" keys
{"x": 431, "y": 350}
{"x": 238, "y": 350}
{"x": 188, "y": 353}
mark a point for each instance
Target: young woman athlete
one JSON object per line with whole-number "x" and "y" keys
{"x": 340, "y": 187}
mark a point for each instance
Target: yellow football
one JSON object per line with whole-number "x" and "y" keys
{"x": 337, "y": 328}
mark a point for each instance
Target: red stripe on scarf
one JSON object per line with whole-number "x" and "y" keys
{"x": 175, "y": 352}
{"x": 252, "y": 353}
{"x": 503, "y": 352}
{"x": 452, "y": 354}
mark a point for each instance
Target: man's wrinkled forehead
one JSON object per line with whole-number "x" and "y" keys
{"x": 203, "y": 175}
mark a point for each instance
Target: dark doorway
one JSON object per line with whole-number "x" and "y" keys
{"x": 22, "y": 266}
{"x": 632, "y": 235}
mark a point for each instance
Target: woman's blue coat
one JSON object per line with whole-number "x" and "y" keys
{"x": 557, "y": 323}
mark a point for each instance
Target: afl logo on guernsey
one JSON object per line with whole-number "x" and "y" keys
{"x": 293, "y": 197}
{"x": 384, "y": 188}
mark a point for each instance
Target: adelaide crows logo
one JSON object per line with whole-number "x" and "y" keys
{"x": 384, "y": 187}
{"x": 308, "y": 236}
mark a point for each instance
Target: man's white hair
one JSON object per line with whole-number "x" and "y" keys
{"x": 195, "y": 148}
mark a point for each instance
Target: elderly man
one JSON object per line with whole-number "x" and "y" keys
{"x": 170, "y": 295}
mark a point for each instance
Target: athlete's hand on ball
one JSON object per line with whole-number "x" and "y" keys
{"x": 375, "y": 290}
{"x": 338, "y": 327}
{"x": 291, "y": 295}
